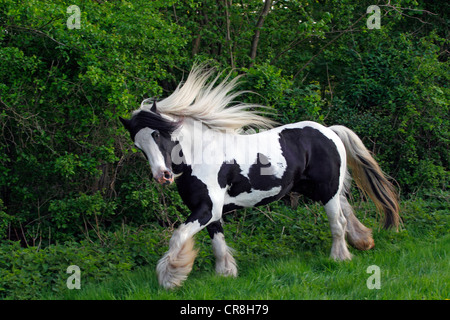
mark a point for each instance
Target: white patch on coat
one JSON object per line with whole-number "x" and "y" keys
{"x": 249, "y": 199}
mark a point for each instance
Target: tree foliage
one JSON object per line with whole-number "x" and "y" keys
{"x": 67, "y": 169}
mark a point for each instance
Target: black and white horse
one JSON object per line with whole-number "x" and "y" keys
{"x": 194, "y": 137}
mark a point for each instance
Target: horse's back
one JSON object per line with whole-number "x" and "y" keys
{"x": 302, "y": 157}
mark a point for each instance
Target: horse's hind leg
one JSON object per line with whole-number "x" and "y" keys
{"x": 358, "y": 235}
{"x": 338, "y": 223}
{"x": 225, "y": 263}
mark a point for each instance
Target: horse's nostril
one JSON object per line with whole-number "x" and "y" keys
{"x": 167, "y": 175}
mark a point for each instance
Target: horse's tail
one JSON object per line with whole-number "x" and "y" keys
{"x": 369, "y": 177}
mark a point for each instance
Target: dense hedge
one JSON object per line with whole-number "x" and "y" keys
{"x": 67, "y": 168}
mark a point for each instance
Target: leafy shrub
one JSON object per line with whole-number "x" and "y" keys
{"x": 61, "y": 92}
{"x": 68, "y": 214}
{"x": 26, "y": 272}
{"x": 290, "y": 102}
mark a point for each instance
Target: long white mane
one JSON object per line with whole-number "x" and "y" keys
{"x": 211, "y": 103}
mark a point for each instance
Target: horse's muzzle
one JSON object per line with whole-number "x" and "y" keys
{"x": 165, "y": 177}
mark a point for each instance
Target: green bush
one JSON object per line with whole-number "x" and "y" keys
{"x": 290, "y": 102}
{"x": 396, "y": 94}
{"x": 61, "y": 92}
{"x": 27, "y": 272}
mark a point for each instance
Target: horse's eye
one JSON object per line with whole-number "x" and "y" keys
{"x": 156, "y": 134}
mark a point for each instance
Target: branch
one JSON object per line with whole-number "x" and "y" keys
{"x": 230, "y": 44}
{"x": 259, "y": 24}
{"x": 400, "y": 11}
{"x": 35, "y": 31}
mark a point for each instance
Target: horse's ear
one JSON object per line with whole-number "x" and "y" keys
{"x": 153, "y": 108}
{"x": 126, "y": 123}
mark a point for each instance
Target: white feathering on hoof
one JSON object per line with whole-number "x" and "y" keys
{"x": 174, "y": 267}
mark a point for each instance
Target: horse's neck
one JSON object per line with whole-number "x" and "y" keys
{"x": 199, "y": 143}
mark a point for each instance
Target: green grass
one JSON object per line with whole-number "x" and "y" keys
{"x": 409, "y": 270}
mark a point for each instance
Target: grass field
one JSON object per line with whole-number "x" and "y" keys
{"x": 409, "y": 269}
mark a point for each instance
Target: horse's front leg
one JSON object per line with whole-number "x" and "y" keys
{"x": 174, "y": 267}
{"x": 225, "y": 263}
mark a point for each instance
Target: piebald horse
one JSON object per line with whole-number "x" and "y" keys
{"x": 195, "y": 138}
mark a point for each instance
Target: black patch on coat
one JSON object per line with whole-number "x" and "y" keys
{"x": 165, "y": 145}
{"x": 230, "y": 207}
{"x": 146, "y": 119}
{"x": 314, "y": 160}
{"x": 195, "y": 195}
{"x": 213, "y": 228}
{"x": 259, "y": 179}
{"x": 260, "y": 174}
{"x": 230, "y": 175}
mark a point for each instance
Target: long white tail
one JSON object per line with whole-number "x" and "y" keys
{"x": 369, "y": 177}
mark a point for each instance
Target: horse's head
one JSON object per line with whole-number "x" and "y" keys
{"x": 151, "y": 133}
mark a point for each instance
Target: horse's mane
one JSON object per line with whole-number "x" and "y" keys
{"x": 211, "y": 103}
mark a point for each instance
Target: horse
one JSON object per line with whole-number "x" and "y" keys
{"x": 195, "y": 138}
